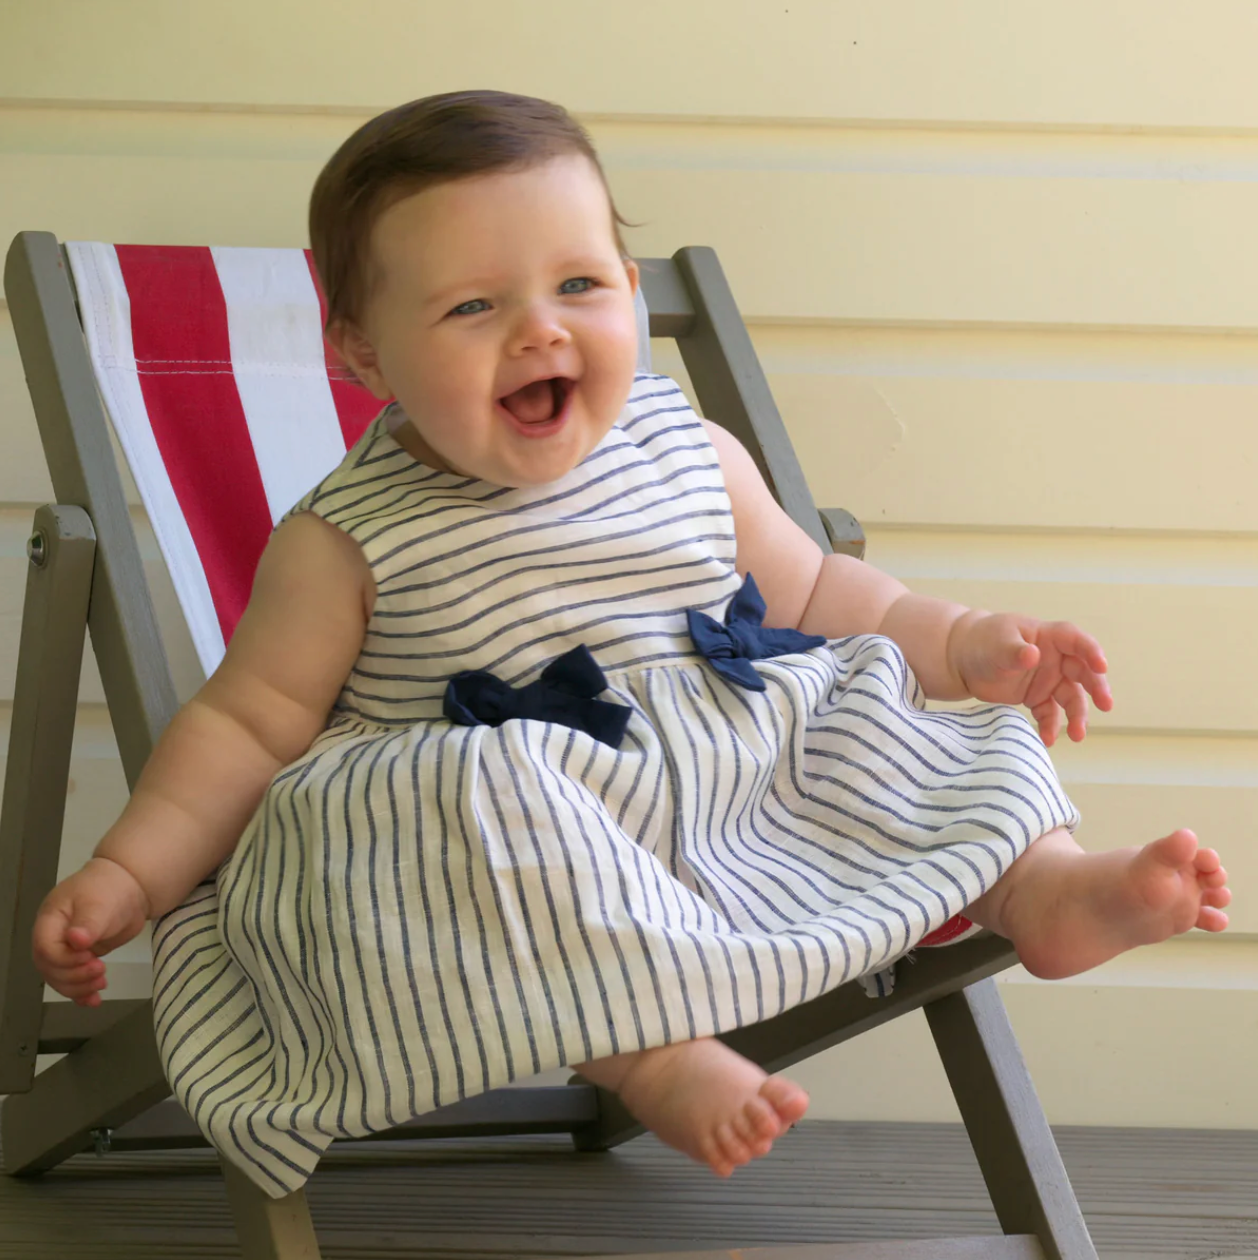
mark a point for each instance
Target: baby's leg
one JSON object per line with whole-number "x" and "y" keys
{"x": 1067, "y": 911}
{"x": 702, "y": 1098}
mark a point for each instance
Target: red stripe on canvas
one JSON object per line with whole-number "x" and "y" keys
{"x": 356, "y": 406}
{"x": 182, "y": 353}
{"x": 946, "y": 933}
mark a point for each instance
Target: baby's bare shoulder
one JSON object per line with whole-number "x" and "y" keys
{"x": 304, "y": 625}
{"x": 313, "y": 561}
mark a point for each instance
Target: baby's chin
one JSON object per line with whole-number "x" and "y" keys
{"x": 524, "y": 469}
{"x": 499, "y": 460}
{"x": 542, "y": 473}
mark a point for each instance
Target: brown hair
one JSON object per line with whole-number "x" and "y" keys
{"x": 413, "y": 147}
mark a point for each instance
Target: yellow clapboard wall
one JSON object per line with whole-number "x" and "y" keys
{"x": 999, "y": 262}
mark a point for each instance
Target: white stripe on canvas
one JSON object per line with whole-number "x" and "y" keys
{"x": 276, "y": 341}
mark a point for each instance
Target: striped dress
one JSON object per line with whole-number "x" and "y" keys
{"x": 421, "y": 910}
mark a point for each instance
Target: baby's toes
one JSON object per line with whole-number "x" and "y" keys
{"x": 732, "y": 1148}
{"x": 1177, "y": 851}
{"x": 713, "y": 1154}
{"x": 757, "y": 1127}
{"x": 786, "y": 1098}
{"x": 761, "y": 1119}
{"x": 1212, "y": 879}
{"x": 1206, "y": 860}
{"x": 1211, "y": 919}
{"x": 1217, "y": 897}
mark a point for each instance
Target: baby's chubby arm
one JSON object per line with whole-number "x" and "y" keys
{"x": 260, "y": 710}
{"x": 955, "y": 652}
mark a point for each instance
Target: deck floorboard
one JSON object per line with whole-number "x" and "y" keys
{"x": 1146, "y": 1194}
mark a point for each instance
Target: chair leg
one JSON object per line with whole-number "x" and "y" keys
{"x": 1007, "y": 1126}
{"x": 45, "y": 696}
{"x": 266, "y": 1228}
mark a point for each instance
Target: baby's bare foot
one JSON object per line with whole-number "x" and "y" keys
{"x": 1073, "y": 911}
{"x": 704, "y": 1099}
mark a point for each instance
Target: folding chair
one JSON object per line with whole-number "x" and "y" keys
{"x": 108, "y": 1092}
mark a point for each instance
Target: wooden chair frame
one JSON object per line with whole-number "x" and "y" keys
{"x": 108, "y": 1092}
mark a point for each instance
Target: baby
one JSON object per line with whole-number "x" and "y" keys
{"x": 547, "y": 737}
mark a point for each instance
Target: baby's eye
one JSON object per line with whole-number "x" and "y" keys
{"x": 474, "y": 307}
{"x": 578, "y": 284}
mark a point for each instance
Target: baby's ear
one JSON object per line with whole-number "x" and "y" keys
{"x": 359, "y": 356}
{"x": 631, "y": 270}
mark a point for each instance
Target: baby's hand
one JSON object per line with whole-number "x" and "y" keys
{"x": 1046, "y": 665}
{"x": 97, "y": 909}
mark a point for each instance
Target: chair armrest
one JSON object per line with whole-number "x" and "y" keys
{"x": 844, "y": 532}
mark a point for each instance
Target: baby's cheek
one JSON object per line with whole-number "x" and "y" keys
{"x": 612, "y": 385}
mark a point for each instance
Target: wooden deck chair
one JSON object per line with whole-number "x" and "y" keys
{"x": 108, "y": 1092}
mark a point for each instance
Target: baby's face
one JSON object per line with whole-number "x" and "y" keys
{"x": 502, "y": 321}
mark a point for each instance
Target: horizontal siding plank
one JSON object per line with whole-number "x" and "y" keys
{"x": 798, "y": 245}
{"x": 1096, "y": 557}
{"x": 1120, "y": 814}
{"x": 1035, "y": 453}
{"x": 871, "y": 247}
{"x": 1176, "y": 658}
{"x": 645, "y": 140}
{"x": 23, "y": 473}
{"x": 1225, "y": 962}
{"x": 1098, "y": 1054}
{"x": 978, "y": 61}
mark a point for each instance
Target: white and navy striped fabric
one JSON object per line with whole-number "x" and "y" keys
{"x": 421, "y": 911}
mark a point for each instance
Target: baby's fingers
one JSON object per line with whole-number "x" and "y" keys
{"x": 1078, "y": 671}
{"x": 1071, "y": 697}
{"x": 49, "y": 945}
{"x": 85, "y": 994}
{"x": 80, "y": 982}
{"x": 1015, "y": 655}
{"x": 1069, "y": 640}
{"x": 1048, "y": 719}
{"x": 77, "y": 973}
{"x": 84, "y": 936}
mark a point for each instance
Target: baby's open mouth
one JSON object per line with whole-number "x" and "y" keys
{"x": 539, "y": 401}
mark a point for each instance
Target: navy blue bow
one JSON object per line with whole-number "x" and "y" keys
{"x": 742, "y": 639}
{"x": 564, "y": 694}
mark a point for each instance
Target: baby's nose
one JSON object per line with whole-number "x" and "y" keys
{"x": 540, "y": 329}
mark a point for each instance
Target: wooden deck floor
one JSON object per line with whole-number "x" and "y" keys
{"x": 1145, "y": 1193}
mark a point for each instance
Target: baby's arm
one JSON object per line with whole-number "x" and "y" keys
{"x": 833, "y": 595}
{"x": 260, "y": 710}
{"x": 954, "y": 651}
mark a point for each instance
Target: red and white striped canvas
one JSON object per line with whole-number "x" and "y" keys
{"x": 225, "y": 399}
